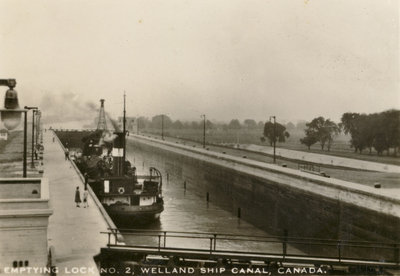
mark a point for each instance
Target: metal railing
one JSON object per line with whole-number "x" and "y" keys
{"x": 328, "y": 249}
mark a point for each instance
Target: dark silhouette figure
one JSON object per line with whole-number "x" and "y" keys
{"x": 77, "y": 197}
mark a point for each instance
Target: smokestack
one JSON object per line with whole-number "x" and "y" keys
{"x": 118, "y": 154}
{"x": 102, "y": 102}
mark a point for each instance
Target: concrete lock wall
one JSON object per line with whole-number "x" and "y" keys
{"x": 275, "y": 201}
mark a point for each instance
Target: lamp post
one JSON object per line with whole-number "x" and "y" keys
{"x": 39, "y": 137}
{"x": 204, "y": 130}
{"x": 274, "y": 138}
{"x": 34, "y": 109}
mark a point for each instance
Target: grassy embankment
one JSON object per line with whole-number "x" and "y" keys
{"x": 340, "y": 147}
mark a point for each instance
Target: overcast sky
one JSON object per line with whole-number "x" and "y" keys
{"x": 226, "y": 59}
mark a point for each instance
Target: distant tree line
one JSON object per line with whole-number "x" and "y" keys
{"x": 157, "y": 121}
{"x": 379, "y": 131}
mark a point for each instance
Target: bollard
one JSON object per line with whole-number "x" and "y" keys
{"x": 239, "y": 212}
{"x": 208, "y": 197}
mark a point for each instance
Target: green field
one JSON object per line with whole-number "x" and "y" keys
{"x": 341, "y": 145}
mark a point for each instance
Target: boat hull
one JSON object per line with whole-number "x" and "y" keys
{"x": 134, "y": 214}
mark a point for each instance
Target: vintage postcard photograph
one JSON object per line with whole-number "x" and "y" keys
{"x": 199, "y": 137}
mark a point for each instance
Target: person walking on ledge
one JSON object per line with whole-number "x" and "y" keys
{"x": 66, "y": 153}
{"x": 85, "y": 198}
{"x": 86, "y": 176}
{"x": 77, "y": 197}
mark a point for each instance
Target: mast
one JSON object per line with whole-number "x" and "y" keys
{"x": 124, "y": 139}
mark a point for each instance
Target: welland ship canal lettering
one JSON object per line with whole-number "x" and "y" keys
{"x": 234, "y": 270}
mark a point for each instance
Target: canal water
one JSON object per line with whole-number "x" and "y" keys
{"x": 186, "y": 210}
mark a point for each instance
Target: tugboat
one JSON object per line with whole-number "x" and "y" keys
{"x": 126, "y": 196}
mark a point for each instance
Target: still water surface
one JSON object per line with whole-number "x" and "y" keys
{"x": 186, "y": 211}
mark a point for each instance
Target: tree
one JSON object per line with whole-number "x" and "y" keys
{"x": 177, "y": 125}
{"x": 386, "y": 130}
{"x": 351, "y": 124}
{"x": 275, "y": 132}
{"x": 250, "y": 123}
{"x": 143, "y": 122}
{"x": 195, "y": 125}
{"x": 330, "y": 130}
{"x": 322, "y": 130}
{"x": 301, "y": 125}
{"x": 391, "y": 122}
{"x": 234, "y": 124}
{"x": 290, "y": 126}
{"x": 380, "y": 131}
{"x": 309, "y": 140}
{"x": 187, "y": 125}
{"x": 158, "y": 120}
{"x": 209, "y": 125}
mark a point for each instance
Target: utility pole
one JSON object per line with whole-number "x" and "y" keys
{"x": 274, "y": 139}
{"x": 137, "y": 125}
{"x": 25, "y": 143}
{"x": 124, "y": 141}
{"x": 162, "y": 126}
{"x": 204, "y": 130}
